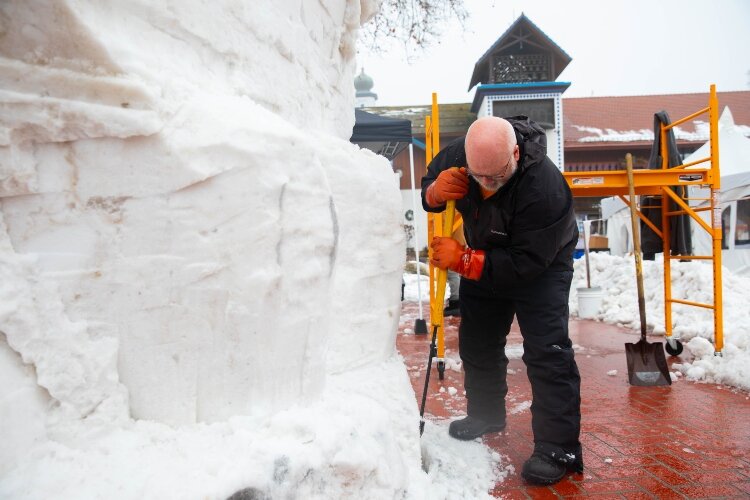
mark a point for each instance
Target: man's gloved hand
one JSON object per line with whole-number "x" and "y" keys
{"x": 451, "y": 184}
{"x": 447, "y": 253}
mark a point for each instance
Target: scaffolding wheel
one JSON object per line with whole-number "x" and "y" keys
{"x": 441, "y": 370}
{"x": 673, "y": 350}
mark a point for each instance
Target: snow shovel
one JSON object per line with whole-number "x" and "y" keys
{"x": 647, "y": 365}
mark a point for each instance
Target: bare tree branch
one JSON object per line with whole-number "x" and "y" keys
{"x": 414, "y": 23}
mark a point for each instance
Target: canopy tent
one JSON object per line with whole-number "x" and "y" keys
{"x": 734, "y": 148}
{"x": 734, "y": 202}
{"x": 385, "y": 136}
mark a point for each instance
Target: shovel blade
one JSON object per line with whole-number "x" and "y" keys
{"x": 647, "y": 365}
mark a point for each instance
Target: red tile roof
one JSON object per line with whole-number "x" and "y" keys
{"x": 632, "y": 117}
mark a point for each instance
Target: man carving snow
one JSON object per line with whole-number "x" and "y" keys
{"x": 521, "y": 232}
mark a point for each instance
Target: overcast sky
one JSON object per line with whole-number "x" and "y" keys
{"x": 614, "y": 45}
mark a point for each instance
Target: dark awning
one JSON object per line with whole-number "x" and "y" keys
{"x": 384, "y": 136}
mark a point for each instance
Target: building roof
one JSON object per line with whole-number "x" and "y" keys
{"x": 599, "y": 122}
{"x": 481, "y": 67}
{"x": 454, "y": 118}
{"x": 363, "y": 82}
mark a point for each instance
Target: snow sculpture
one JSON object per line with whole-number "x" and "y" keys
{"x": 181, "y": 211}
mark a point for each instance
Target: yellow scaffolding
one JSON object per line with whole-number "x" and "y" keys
{"x": 657, "y": 183}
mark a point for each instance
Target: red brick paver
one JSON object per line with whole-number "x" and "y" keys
{"x": 688, "y": 440}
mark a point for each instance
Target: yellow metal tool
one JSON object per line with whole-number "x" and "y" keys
{"x": 436, "y": 317}
{"x": 438, "y": 225}
{"x": 442, "y": 274}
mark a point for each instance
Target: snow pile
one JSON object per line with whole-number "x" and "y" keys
{"x": 694, "y": 327}
{"x": 340, "y": 447}
{"x": 190, "y": 303}
{"x": 418, "y": 286}
{"x": 459, "y": 469}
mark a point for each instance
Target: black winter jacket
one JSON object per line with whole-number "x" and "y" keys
{"x": 528, "y": 225}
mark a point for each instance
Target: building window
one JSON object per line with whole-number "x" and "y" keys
{"x": 541, "y": 111}
{"x": 519, "y": 68}
{"x": 742, "y": 229}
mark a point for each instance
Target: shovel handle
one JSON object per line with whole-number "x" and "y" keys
{"x": 636, "y": 245}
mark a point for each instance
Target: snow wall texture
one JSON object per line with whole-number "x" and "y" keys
{"x": 181, "y": 212}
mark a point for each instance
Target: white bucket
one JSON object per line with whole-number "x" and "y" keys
{"x": 589, "y": 301}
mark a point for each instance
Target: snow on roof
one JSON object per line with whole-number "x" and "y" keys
{"x": 623, "y": 118}
{"x": 700, "y": 133}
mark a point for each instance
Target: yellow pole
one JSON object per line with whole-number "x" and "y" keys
{"x": 450, "y": 210}
{"x": 435, "y": 124}
{"x": 430, "y": 216}
{"x": 445, "y": 222}
{"x": 713, "y": 118}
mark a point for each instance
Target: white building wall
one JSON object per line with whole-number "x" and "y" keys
{"x": 555, "y": 146}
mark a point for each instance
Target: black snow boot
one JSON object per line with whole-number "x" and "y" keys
{"x": 546, "y": 467}
{"x": 452, "y": 309}
{"x": 469, "y": 428}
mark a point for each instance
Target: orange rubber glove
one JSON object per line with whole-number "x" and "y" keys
{"x": 451, "y": 184}
{"x": 447, "y": 253}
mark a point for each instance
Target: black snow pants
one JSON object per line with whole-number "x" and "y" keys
{"x": 541, "y": 306}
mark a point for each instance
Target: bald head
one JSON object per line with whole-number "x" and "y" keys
{"x": 491, "y": 151}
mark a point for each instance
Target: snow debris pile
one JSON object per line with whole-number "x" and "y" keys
{"x": 693, "y": 326}
{"x": 190, "y": 304}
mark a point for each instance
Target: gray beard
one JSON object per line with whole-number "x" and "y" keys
{"x": 497, "y": 184}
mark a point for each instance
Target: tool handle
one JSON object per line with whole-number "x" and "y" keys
{"x": 427, "y": 378}
{"x": 636, "y": 245}
{"x": 448, "y": 217}
{"x": 586, "y": 234}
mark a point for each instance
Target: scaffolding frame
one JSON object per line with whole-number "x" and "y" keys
{"x": 657, "y": 182}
